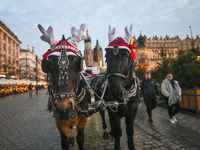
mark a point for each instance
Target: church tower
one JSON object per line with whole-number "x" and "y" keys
{"x": 88, "y": 52}
{"x": 98, "y": 55}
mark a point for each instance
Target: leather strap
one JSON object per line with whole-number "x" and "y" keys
{"x": 117, "y": 74}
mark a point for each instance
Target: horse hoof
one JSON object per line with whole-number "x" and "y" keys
{"x": 105, "y": 136}
{"x": 111, "y": 134}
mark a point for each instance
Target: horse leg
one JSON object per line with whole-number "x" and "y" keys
{"x": 80, "y": 133}
{"x": 71, "y": 136}
{"x": 111, "y": 126}
{"x": 105, "y": 130}
{"x": 64, "y": 134}
{"x": 130, "y": 130}
{"x": 116, "y": 128}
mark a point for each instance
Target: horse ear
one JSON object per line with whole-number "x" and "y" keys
{"x": 46, "y": 68}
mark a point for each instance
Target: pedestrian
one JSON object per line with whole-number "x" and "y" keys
{"x": 149, "y": 93}
{"x": 172, "y": 93}
{"x": 30, "y": 90}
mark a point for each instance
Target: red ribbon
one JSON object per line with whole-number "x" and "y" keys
{"x": 132, "y": 51}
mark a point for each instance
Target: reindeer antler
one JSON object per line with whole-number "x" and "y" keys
{"x": 48, "y": 36}
{"x": 77, "y": 35}
{"x": 111, "y": 33}
{"x": 128, "y": 34}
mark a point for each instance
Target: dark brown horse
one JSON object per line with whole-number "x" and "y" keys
{"x": 63, "y": 64}
{"x": 122, "y": 90}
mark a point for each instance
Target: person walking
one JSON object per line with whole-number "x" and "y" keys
{"x": 172, "y": 93}
{"x": 149, "y": 93}
{"x": 30, "y": 90}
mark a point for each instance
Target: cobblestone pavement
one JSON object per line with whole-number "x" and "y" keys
{"x": 25, "y": 124}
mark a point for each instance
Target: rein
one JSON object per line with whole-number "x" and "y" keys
{"x": 102, "y": 104}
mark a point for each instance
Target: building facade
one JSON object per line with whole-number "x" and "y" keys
{"x": 149, "y": 50}
{"x": 30, "y": 66}
{"x": 9, "y": 53}
{"x": 93, "y": 57}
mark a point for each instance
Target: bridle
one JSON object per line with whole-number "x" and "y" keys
{"x": 117, "y": 74}
{"x": 116, "y": 51}
{"x": 63, "y": 64}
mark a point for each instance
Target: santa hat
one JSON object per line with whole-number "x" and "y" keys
{"x": 121, "y": 43}
{"x": 71, "y": 44}
{"x": 56, "y": 50}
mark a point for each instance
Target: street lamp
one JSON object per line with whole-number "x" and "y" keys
{"x": 198, "y": 58}
{"x": 36, "y": 76}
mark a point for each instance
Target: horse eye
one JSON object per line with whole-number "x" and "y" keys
{"x": 126, "y": 56}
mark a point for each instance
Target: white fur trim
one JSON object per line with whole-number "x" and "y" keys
{"x": 120, "y": 47}
{"x": 111, "y": 33}
{"x": 59, "y": 53}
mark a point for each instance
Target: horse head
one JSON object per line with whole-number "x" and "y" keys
{"x": 120, "y": 62}
{"x": 63, "y": 63}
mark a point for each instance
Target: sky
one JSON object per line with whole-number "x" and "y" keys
{"x": 150, "y": 17}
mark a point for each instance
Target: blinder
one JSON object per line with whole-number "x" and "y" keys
{"x": 80, "y": 64}
{"x": 46, "y": 67}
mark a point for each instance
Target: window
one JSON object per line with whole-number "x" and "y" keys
{"x": 9, "y": 60}
{"x": 16, "y": 54}
{"x": 4, "y": 68}
{"x": 4, "y": 36}
{"x": 4, "y": 46}
{"x": 13, "y": 61}
{"x": 16, "y": 46}
{"x": 16, "y": 63}
{"x": 142, "y": 56}
{"x": 4, "y": 57}
{"x": 8, "y": 39}
{"x": 17, "y": 71}
{"x": 13, "y": 52}
{"x": 13, "y": 43}
{"x": 9, "y": 49}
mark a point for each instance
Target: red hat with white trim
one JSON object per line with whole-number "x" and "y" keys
{"x": 71, "y": 44}
{"x": 56, "y": 50}
{"x": 121, "y": 43}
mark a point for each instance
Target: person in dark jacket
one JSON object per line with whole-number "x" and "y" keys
{"x": 30, "y": 90}
{"x": 149, "y": 93}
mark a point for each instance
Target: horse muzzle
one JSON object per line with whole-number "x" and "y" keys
{"x": 65, "y": 111}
